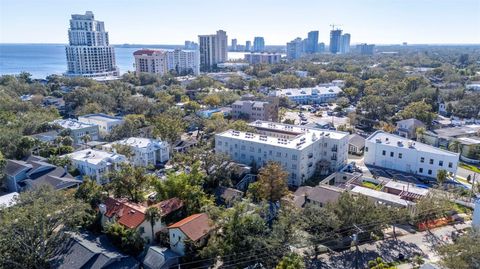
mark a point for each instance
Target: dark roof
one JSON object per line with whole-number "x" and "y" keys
{"x": 227, "y": 195}
{"x": 195, "y": 227}
{"x": 160, "y": 258}
{"x": 39, "y": 172}
{"x": 88, "y": 251}
{"x": 356, "y": 140}
{"x": 321, "y": 194}
{"x": 168, "y": 206}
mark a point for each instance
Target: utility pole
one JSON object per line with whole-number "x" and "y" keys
{"x": 355, "y": 241}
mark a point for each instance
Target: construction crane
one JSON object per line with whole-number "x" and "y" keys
{"x": 333, "y": 26}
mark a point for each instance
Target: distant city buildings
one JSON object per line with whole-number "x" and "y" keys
{"x": 248, "y": 46}
{"x": 345, "y": 43}
{"x": 263, "y": 58}
{"x": 321, "y": 47}
{"x": 366, "y": 49}
{"x": 213, "y": 50}
{"x": 295, "y": 49}
{"x": 183, "y": 62}
{"x": 234, "y": 44}
{"x": 190, "y": 45}
{"x": 335, "y": 40}
{"x": 258, "y": 44}
{"x": 89, "y": 53}
{"x": 312, "y": 42}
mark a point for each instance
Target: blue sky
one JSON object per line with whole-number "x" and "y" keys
{"x": 279, "y": 21}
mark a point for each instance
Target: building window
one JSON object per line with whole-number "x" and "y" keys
{"x": 252, "y": 149}
{"x": 391, "y": 153}
{"x": 429, "y": 171}
{"x": 399, "y": 155}
{"x": 384, "y": 152}
{"x": 366, "y": 149}
{"x": 431, "y": 161}
{"x": 420, "y": 170}
{"x": 219, "y": 143}
{"x": 294, "y": 166}
{"x": 422, "y": 160}
{"x": 294, "y": 157}
{"x": 450, "y": 165}
{"x": 440, "y": 163}
{"x": 279, "y": 154}
{"x": 242, "y": 147}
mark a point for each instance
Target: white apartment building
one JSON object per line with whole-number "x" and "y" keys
{"x": 96, "y": 163}
{"x": 213, "y": 50}
{"x": 89, "y": 53}
{"x": 397, "y": 153}
{"x": 300, "y": 150}
{"x": 78, "y": 129}
{"x": 145, "y": 151}
{"x": 314, "y": 95}
{"x": 263, "y": 58}
{"x": 105, "y": 122}
{"x": 162, "y": 61}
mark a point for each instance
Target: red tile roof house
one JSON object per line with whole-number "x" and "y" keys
{"x": 196, "y": 228}
{"x": 132, "y": 215}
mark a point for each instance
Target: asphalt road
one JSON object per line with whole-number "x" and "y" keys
{"x": 411, "y": 245}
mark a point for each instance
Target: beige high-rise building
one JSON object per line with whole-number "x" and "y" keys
{"x": 213, "y": 50}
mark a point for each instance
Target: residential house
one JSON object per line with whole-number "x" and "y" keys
{"x": 35, "y": 171}
{"x": 408, "y": 128}
{"x": 160, "y": 258}
{"x": 356, "y": 144}
{"x": 145, "y": 151}
{"x": 227, "y": 196}
{"x": 90, "y": 251}
{"x": 194, "y": 228}
{"x": 256, "y": 110}
{"x": 105, "y": 122}
{"x": 96, "y": 163}
{"x": 78, "y": 129}
{"x": 319, "y": 195}
{"x": 133, "y": 215}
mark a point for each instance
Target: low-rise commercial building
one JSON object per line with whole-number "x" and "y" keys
{"x": 256, "y": 110}
{"x": 397, "y": 153}
{"x": 96, "y": 163}
{"x": 78, "y": 129}
{"x": 145, "y": 151}
{"x": 300, "y": 150}
{"x": 105, "y": 122}
{"x": 313, "y": 95}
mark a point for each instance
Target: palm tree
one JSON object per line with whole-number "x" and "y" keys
{"x": 420, "y": 132}
{"x": 152, "y": 214}
{"x": 455, "y": 146}
{"x": 442, "y": 176}
{"x": 86, "y": 138}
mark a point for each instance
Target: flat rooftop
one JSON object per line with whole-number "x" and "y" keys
{"x": 317, "y": 90}
{"x": 102, "y": 117}
{"x": 457, "y": 131}
{"x": 381, "y": 196}
{"x": 407, "y": 187}
{"x": 137, "y": 142}
{"x": 381, "y": 137}
{"x": 301, "y": 136}
{"x": 94, "y": 156}
{"x": 72, "y": 124}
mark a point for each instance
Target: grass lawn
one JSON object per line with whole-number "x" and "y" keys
{"x": 470, "y": 167}
{"x": 371, "y": 185}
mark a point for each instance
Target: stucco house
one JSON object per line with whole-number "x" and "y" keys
{"x": 195, "y": 228}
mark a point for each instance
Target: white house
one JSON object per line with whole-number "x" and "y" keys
{"x": 299, "y": 149}
{"x": 96, "y": 163}
{"x": 196, "y": 228}
{"x": 78, "y": 129}
{"x": 145, "y": 151}
{"x": 105, "y": 122}
{"x": 133, "y": 215}
{"x": 408, "y": 128}
{"x": 397, "y": 153}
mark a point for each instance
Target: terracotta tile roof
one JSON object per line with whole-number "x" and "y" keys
{"x": 168, "y": 206}
{"x": 144, "y": 51}
{"x": 195, "y": 227}
{"x": 128, "y": 214}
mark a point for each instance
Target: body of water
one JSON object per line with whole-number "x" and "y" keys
{"x": 42, "y": 60}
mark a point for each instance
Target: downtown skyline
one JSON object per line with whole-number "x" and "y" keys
{"x": 371, "y": 21}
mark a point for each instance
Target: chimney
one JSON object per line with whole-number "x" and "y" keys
{"x": 65, "y": 169}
